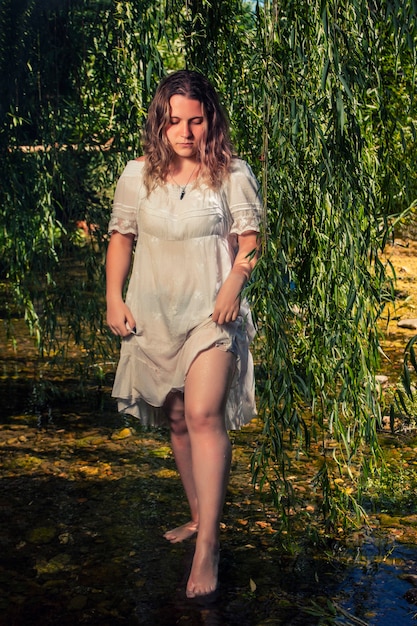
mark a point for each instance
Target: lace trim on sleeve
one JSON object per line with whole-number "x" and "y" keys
{"x": 245, "y": 219}
{"x": 123, "y": 225}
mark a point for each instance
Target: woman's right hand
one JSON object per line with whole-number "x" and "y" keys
{"x": 120, "y": 319}
{"x": 119, "y": 254}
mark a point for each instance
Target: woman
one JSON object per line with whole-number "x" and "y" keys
{"x": 192, "y": 212}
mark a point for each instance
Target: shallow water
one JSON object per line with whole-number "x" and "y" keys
{"x": 374, "y": 589}
{"x": 85, "y": 498}
{"x": 81, "y": 535}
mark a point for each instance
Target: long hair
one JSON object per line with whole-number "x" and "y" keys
{"x": 215, "y": 151}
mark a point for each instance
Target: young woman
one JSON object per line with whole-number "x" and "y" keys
{"x": 191, "y": 212}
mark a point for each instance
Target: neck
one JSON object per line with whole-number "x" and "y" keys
{"x": 184, "y": 173}
{"x": 183, "y": 167}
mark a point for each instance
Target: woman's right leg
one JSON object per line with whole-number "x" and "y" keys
{"x": 181, "y": 447}
{"x": 206, "y": 390}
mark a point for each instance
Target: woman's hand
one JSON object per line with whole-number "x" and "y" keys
{"x": 226, "y": 308}
{"x": 119, "y": 318}
{"x": 119, "y": 256}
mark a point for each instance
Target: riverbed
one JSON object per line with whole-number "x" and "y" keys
{"x": 87, "y": 494}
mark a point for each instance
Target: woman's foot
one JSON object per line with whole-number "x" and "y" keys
{"x": 204, "y": 572}
{"x": 182, "y": 533}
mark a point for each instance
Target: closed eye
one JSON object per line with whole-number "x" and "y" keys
{"x": 195, "y": 120}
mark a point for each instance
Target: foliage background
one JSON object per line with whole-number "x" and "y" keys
{"x": 321, "y": 98}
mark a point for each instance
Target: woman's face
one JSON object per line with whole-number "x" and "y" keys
{"x": 186, "y": 127}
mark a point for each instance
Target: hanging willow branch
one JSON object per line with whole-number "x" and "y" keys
{"x": 320, "y": 283}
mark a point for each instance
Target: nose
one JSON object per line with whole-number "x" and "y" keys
{"x": 186, "y": 130}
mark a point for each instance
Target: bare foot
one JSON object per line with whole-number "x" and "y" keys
{"x": 204, "y": 572}
{"x": 182, "y": 532}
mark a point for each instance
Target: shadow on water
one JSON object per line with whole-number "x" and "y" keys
{"x": 84, "y": 501}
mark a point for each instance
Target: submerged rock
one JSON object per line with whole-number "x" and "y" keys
{"x": 411, "y": 596}
{"x": 42, "y": 534}
{"x": 410, "y": 323}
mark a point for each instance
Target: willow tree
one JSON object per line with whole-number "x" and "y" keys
{"x": 321, "y": 285}
{"x": 76, "y": 79}
{"x": 320, "y": 99}
{"x": 313, "y": 92}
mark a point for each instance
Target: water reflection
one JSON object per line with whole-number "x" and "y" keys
{"x": 375, "y": 589}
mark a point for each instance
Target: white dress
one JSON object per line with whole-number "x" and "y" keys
{"x": 184, "y": 252}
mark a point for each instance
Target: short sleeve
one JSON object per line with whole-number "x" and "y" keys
{"x": 244, "y": 199}
{"x": 126, "y": 200}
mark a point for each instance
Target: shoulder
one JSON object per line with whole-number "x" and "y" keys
{"x": 130, "y": 181}
{"x": 242, "y": 189}
{"x": 133, "y": 168}
{"x": 240, "y": 168}
{"x": 238, "y": 164}
{"x": 241, "y": 174}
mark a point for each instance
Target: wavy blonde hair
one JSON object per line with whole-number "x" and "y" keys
{"x": 215, "y": 150}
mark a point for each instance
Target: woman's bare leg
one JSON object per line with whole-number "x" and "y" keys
{"x": 181, "y": 446}
{"x": 206, "y": 390}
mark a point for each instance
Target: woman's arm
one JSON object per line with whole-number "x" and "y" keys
{"x": 227, "y": 304}
{"x": 119, "y": 258}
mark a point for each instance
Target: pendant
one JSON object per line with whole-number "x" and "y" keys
{"x": 182, "y": 194}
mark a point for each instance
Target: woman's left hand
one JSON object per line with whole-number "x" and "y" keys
{"x": 226, "y": 308}
{"x": 227, "y": 304}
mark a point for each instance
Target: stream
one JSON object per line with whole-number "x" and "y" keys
{"x": 86, "y": 496}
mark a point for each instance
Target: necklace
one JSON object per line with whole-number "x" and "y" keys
{"x": 184, "y": 187}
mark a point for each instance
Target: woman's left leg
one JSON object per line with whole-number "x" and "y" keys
{"x": 206, "y": 389}
{"x": 181, "y": 446}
